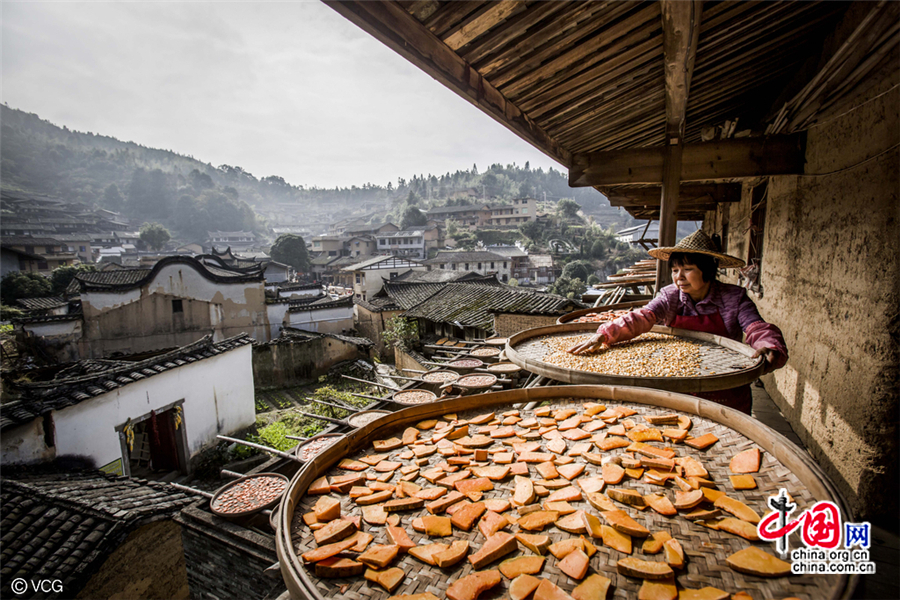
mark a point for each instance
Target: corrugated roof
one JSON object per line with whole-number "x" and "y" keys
{"x": 472, "y": 304}
{"x": 64, "y": 525}
{"x": 37, "y": 398}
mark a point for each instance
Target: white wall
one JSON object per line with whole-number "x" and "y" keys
{"x": 25, "y": 443}
{"x": 327, "y": 320}
{"x": 217, "y": 394}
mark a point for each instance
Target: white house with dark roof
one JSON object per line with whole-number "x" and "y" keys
{"x": 479, "y": 261}
{"x": 369, "y": 275}
{"x": 132, "y": 416}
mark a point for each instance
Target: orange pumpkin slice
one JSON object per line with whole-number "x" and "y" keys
{"x": 471, "y": 586}
{"x": 746, "y": 461}
{"x": 754, "y": 561}
{"x": 595, "y": 587}
{"x": 644, "y": 569}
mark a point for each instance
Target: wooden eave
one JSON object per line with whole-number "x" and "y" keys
{"x": 583, "y": 80}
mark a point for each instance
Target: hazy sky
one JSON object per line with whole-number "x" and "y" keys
{"x": 277, "y": 88}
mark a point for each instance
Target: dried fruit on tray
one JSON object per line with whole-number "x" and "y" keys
{"x": 754, "y": 561}
{"x": 746, "y": 461}
{"x": 471, "y": 586}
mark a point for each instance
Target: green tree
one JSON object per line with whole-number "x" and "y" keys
{"x": 412, "y": 217}
{"x": 290, "y": 249}
{"x": 532, "y": 230}
{"x": 400, "y": 331}
{"x": 412, "y": 199}
{"x": 580, "y": 269}
{"x": 568, "y": 209}
{"x": 155, "y": 235}
{"x": 598, "y": 250}
{"x": 567, "y": 287}
{"x": 62, "y": 276}
{"x": 112, "y": 198}
{"x": 452, "y": 227}
{"x": 18, "y": 285}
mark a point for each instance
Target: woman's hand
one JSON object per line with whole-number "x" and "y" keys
{"x": 770, "y": 355}
{"x": 592, "y": 345}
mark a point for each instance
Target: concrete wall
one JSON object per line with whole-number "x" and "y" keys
{"x": 143, "y": 319}
{"x": 506, "y": 325}
{"x": 217, "y": 394}
{"x": 288, "y": 363}
{"x": 830, "y": 281}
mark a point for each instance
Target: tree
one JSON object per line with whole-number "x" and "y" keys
{"x": 112, "y": 198}
{"x": 412, "y": 217}
{"x": 400, "y": 331}
{"x": 568, "y": 209}
{"x": 62, "y": 276}
{"x": 532, "y": 230}
{"x": 412, "y": 199}
{"x": 452, "y": 227}
{"x": 570, "y": 288}
{"x": 580, "y": 269}
{"x": 18, "y": 285}
{"x": 155, "y": 235}
{"x": 598, "y": 250}
{"x": 290, "y": 249}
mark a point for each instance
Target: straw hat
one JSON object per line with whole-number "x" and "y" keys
{"x": 698, "y": 243}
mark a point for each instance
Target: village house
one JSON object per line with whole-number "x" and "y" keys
{"x": 322, "y": 314}
{"x": 176, "y": 302}
{"x": 12, "y": 260}
{"x": 50, "y": 252}
{"x": 469, "y": 216}
{"x": 369, "y": 275}
{"x": 512, "y": 215}
{"x": 236, "y": 240}
{"x": 135, "y": 415}
{"x": 482, "y": 262}
{"x": 408, "y": 242}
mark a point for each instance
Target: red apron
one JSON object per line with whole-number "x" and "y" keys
{"x": 739, "y": 398}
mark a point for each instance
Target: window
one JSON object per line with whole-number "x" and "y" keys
{"x": 177, "y": 306}
{"x": 452, "y": 266}
{"x": 504, "y": 265}
{"x": 492, "y": 265}
{"x": 82, "y": 249}
{"x": 393, "y": 274}
{"x": 467, "y": 266}
{"x": 357, "y": 278}
{"x": 524, "y": 211}
{"x": 479, "y": 266}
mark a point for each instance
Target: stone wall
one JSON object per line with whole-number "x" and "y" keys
{"x": 290, "y": 362}
{"x": 148, "y": 564}
{"x": 226, "y": 561}
{"x": 507, "y": 324}
{"x": 407, "y": 359}
{"x": 830, "y": 282}
{"x": 371, "y": 324}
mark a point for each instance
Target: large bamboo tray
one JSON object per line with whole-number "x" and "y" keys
{"x": 784, "y": 465}
{"x": 725, "y": 364}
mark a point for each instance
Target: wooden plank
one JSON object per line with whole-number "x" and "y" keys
{"x": 420, "y": 9}
{"x": 396, "y": 28}
{"x": 709, "y": 161}
{"x": 681, "y": 32}
{"x": 513, "y": 29}
{"x": 480, "y": 22}
{"x": 449, "y": 14}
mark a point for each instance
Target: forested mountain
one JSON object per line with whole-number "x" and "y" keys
{"x": 192, "y": 197}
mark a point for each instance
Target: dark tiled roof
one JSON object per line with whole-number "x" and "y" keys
{"x": 35, "y": 399}
{"x": 42, "y": 303}
{"x": 64, "y": 526}
{"x": 321, "y": 304}
{"x": 407, "y": 295}
{"x": 72, "y": 316}
{"x": 472, "y": 304}
{"x": 455, "y": 209}
{"x": 379, "y": 304}
{"x": 285, "y": 286}
{"x": 125, "y": 279}
{"x": 25, "y": 240}
{"x": 434, "y": 276}
{"x": 474, "y": 256}
{"x": 291, "y": 335}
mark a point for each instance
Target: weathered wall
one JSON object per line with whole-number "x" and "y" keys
{"x": 148, "y": 564}
{"x": 56, "y": 340}
{"x": 225, "y": 560}
{"x": 293, "y": 362}
{"x": 830, "y": 281}
{"x": 217, "y": 394}
{"x": 506, "y": 325}
{"x": 404, "y": 359}
{"x": 143, "y": 319}
{"x": 370, "y": 325}
{"x": 25, "y": 443}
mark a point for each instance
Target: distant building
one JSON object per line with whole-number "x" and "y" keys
{"x": 236, "y": 240}
{"x": 51, "y": 252}
{"x": 479, "y": 261}
{"x": 471, "y": 216}
{"x": 512, "y": 215}
{"x": 368, "y": 276}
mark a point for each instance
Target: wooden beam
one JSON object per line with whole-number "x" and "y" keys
{"x": 681, "y": 32}
{"x": 688, "y": 194}
{"x": 396, "y": 28}
{"x": 481, "y": 22}
{"x": 705, "y": 162}
{"x": 668, "y": 219}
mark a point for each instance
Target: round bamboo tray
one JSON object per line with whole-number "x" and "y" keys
{"x": 572, "y": 316}
{"x": 302, "y": 450}
{"x": 784, "y": 465}
{"x": 365, "y": 417}
{"x": 725, "y": 364}
{"x": 237, "y": 482}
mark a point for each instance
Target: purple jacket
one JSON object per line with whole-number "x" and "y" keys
{"x": 734, "y": 306}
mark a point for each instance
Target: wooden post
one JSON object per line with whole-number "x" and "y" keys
{"x": 668, "y": 222}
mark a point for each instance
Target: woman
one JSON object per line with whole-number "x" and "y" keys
{"x": 697, "y": 301}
